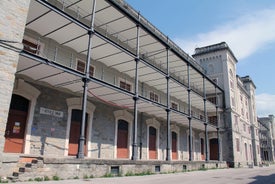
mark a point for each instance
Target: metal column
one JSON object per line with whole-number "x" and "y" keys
{"x": 218, "y": 126}
{"x": 135, "y": 98}
{"x": 168, "y": 148}
{"x": 205, "y": 121}
{"x": 85, "y": 80}
{"x": 189, "y": 115}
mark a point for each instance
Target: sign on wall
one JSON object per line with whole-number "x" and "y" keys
{"x": 51, "y": 112}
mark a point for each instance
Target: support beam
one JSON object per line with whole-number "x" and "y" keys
{"x": 189, "y": 115}
{"x": 136, "y": 98}
{"x": 85, "y": 80}
{"x": 218, "y": 127}
{"x": 205, "y": 122}
{"x": 168, "y": 146}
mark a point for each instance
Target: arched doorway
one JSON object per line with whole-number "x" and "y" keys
{"x": 16, "y": 125}
{"x": 122, "y": 139}
{"x": 214, "y": 149}
{"x": 174, "y": 146}
{"x": 152, "y": 143}
{"x": 76, "y": 120}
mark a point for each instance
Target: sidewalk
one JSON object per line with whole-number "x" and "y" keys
{"x": 256, "y": 175}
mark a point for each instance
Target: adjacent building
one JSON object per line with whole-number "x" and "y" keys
{"x": 239, "y": 126}
{"x": 267, "y": 140}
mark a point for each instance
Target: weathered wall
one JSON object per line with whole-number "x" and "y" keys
{"x": 13, "y": 17}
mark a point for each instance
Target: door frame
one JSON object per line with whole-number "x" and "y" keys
{"x": 176, "y": 129}
{"x": 126, "y": 116}
{"x": 76, "y": 103}
{"x": 29, "y": 92}
{"x": 153, "y": 123}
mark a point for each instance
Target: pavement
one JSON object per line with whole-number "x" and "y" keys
{"x": 256, "y": 175}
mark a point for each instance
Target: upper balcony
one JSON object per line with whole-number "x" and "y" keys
{"x": 58, "y": 33}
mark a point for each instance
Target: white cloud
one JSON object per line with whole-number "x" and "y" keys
{"x": 245, "y": 35}
{"x": 265, "y": 104}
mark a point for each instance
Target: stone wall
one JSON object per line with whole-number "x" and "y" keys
{"x": 13, "y": 17}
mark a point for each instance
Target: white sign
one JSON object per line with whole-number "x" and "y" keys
{"x": 51, "y": 112}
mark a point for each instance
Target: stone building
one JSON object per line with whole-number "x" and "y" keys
{"x": 267, "y": 140}
{"x": 142, "y": 104}
{"x": 240, "y": 138}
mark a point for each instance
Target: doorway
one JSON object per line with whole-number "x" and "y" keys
{"x": 174, "y": 146}
{"x": 152, "y": 143}
{"x": 76, "y": 121}
{"x": 16, "y": 124}
{"x": 122, "y": 139}
{"x": 214, "y": 149}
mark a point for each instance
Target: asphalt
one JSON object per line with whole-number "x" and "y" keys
{"x": 256, "y": 175}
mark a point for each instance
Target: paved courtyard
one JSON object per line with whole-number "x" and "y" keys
{"x": 256, "y": 175}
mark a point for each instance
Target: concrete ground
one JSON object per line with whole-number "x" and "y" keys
{"x": 256, "y": 175}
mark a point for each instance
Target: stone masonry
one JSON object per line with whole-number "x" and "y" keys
{"x": 13, "y": 15}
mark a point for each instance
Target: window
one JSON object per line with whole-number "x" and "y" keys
{"x": 154, "y": 97}
{"x": 231, "y": 84}
{"x": 212, "y": 119}
{"x": 125, "y": 85}
{"x": 238, "y": 144}
{"x": 174, "y": 106}
{"x": 231, "y": 73}
{"x": 249, "y": 129}
{"x": 244, "y": 127}
{"x": 212, "y": 99}
{"x": 233, "y": 101}
{"x": 31, "y": 47}
{"x": 80, "y": 66}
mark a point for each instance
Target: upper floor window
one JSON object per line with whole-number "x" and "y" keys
{"x": 31, "y": 47}
{"x": 174, "y": 106}
{"x": 125, "y": 85}
{"x": 154, "y": 97}
{"x": 212, "y": 99}
{"x": 80, "y": 66}
{"x": 231, "y": 73}
{"x": 212, "y": 119}
{"x": 238, "y": 144}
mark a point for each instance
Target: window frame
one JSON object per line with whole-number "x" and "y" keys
{"x": 154, "y": 96}
{"x": 91, "y": 66}
{"x": 130, "y": 84}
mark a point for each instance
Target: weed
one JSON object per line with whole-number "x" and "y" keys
{"x": 56, "y": 178}
{"x": 38, "y": 179}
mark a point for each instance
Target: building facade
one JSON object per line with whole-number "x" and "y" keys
{"x": 141, "y": 98}
{"x": 240, "y": 127}
{"x": 266, "y": 134}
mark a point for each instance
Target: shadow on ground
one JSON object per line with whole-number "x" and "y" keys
{"x": 270, "y": 179}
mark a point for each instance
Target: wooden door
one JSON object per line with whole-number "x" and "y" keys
{"x": 152, "y": 143}
{"x": 16, "y": 125}
{"x": 174, "y": 146}
{"x": 122, "y": 139}
{"x": 214, "y": 149}
{"x": 15, "y": 131}
{"x": 75, "y": 132}
{"x": 202, "y": 149}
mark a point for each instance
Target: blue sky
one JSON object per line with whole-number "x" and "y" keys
{"x": 248, "y": 26}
